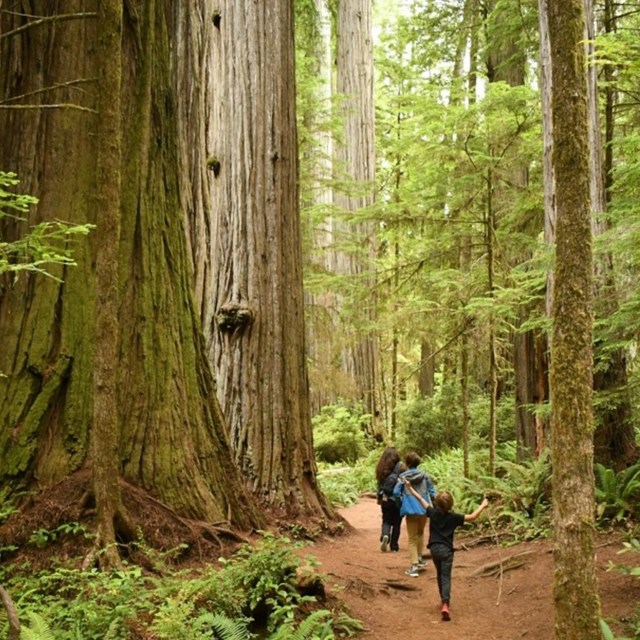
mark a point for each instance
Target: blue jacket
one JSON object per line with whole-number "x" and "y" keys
{"x": 421, "y": 482}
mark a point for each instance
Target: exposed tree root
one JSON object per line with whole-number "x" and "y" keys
{"x": 12, "y": 614}
{"x": 142, "y": 524}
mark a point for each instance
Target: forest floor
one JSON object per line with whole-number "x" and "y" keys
{"x": 514, "y": 604}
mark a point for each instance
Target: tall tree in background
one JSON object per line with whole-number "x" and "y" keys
{"x": 507, "y": 62}
{"x": 615, "y": 442}
{"x": 355, "y": 156}
{"x": 575, "y": 587}
{"x": 315, "y": 95}
{"x": 172, "y": 437}
{"x": 255, "y": 328}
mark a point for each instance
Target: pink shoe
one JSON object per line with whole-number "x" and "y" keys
{"x": 444, "y": 610}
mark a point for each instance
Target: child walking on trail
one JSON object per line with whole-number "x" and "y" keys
{"x": 413, "y": 506}
{"x": 388, "y": 470}
{"x": 442, "y": 524}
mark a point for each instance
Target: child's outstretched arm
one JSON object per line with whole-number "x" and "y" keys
{"x": 413, "y": 492}
{"x": 472, "y": 516}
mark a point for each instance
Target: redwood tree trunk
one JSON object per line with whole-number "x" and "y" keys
{"x": 173, "y": 439}
{"x": 356, "y": 157}
{"x": 256, "y": 326}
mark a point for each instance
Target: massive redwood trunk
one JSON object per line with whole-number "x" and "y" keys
{"x": 171, "y": 437}
{"x": 253, "y": 306}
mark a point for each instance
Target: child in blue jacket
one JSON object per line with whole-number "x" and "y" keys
{"x": 413, "y": 510}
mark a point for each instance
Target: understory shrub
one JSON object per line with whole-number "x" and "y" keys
{"x": 343, "y": 485}
{"x": 339, "y": 434}
{"x": 251, "y": 595}
{"x": 617, "y": 494}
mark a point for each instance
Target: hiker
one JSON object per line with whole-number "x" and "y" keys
{"x": 442, "y": 524}
{"x": 413, "y": 510}
{"x": 387, "y": 472}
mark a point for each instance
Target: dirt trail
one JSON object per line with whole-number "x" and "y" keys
{"x": 518, "y": 605}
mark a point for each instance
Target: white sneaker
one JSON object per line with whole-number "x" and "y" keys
{"x": 413, "y": 571}
{"x": 384, "y": 543}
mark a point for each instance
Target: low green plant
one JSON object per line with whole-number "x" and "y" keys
{"x": 38, "y": 629}
{"x": 343, "y": 485}
{"x": 42, "y": 537}
{"x": 617, "y": 494}
{"x": 249, "y": 595}
{"x": 607, "y": 634}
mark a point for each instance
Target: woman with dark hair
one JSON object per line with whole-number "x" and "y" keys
{"x": 388, "y": 471}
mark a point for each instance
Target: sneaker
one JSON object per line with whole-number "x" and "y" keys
{"x": 384, "y": 543}
{"x": 422, "y": 561}
{"x": 413, "y": 571}
{"x": 444, "y": 610}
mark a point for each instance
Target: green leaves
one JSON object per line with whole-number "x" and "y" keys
{"x": 617, "y": 494}
{"x": 39, "y": 248}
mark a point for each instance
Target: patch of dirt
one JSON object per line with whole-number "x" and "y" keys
{"x": 516, "y": 604}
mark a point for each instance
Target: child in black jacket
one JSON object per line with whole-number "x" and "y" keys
{"x": 442, "y": 524}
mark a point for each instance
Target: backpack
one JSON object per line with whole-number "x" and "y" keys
{"x": 385, "y": 490}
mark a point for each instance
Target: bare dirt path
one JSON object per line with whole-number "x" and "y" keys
{"x": 517, "y": 605}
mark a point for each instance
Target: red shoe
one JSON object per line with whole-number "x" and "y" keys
{"x": 444, "y": 610}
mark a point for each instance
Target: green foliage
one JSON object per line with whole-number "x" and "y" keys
{"x": 429, "y": 424}
{"x": 38, "y": 629}
{"x": 520, "y": 492}
{"x": 339, "y": 434}
{"x": 632, "y": 546}
{"x": 42, "y": 246}
{"x": 607, "y": 634}
{"x": 254, "y": 590}
{"x": 617, "y": 494}
{"x": 342, "y": 486}
{"x": 42, "y": 537}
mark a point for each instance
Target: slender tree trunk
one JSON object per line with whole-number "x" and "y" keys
{"x": 549, "y": 187}
{"x": 575, "y": 587}
{"x": 464, "y": 399}
{"x": 172, "y": 435}
{"x": 257, "y": 333}
{"x": 105, "y": 435}
{"x": 615, "y": 442}
{"x": 426, "y": 381}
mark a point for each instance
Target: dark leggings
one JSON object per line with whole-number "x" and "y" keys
{"x": 442, "y": 557}
{"x": 391, "y": 521}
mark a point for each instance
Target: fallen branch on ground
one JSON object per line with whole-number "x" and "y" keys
{"x": 497, "y": 567}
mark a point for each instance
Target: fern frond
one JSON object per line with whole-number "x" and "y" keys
{"x": 224, "y": 628}
{"x": 38, "y": 630}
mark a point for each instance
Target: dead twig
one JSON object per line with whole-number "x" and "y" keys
{"x": 44, "y": 20}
